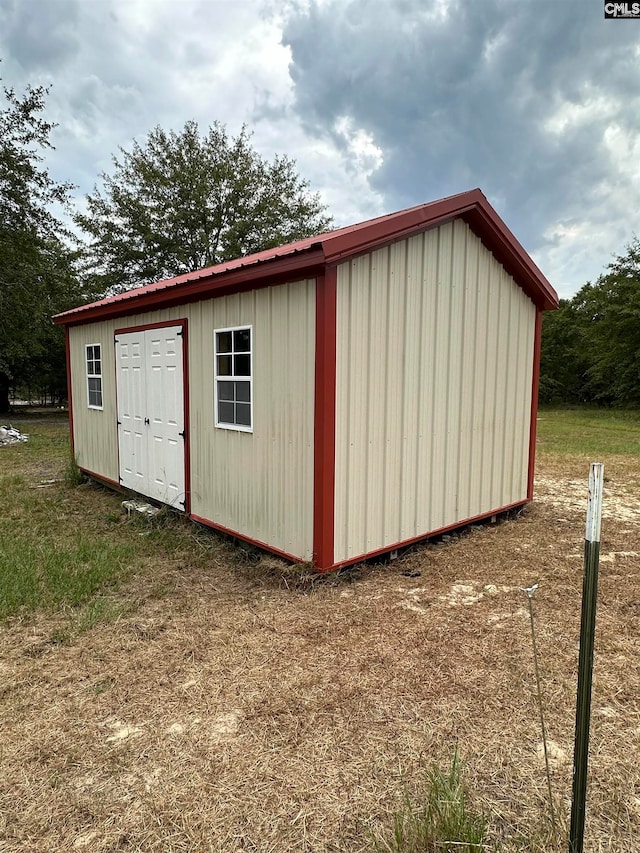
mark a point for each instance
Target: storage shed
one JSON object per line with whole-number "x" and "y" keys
{"x": 328, "y": 400}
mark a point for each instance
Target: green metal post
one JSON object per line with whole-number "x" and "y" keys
{"x": 585, "y": 661}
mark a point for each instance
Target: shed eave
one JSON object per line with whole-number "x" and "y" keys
{"x": 196, "y": 286}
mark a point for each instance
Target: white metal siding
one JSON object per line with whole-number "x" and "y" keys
{"x": 433, "y": 389}
{"x": 257, "y": 484}
{"x": 95, "y": 437}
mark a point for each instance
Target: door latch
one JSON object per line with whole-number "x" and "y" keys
{"x": 146, "y": 420}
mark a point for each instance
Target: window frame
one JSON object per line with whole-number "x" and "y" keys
{"x": 94, "y": 375}
{"x": 232, "y": 377}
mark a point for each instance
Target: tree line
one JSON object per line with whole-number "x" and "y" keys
{"x": 174, "y": 204}
{"x": 591, "y": 344}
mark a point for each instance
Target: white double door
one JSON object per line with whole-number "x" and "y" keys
{"x": 151, "y": 430}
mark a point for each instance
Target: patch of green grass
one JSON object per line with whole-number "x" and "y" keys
{"x": 101, "y": 609}
{"x": 40, "y": 573}
{"x": 72, "y": 474}
{"x": 67, "y": 548}
{"x": 589, "y": 431}
{"x": 443, "y": 822}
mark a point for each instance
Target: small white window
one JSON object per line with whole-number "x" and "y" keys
{"x": 233, "y": 370}
{"x": 94, "y": 376}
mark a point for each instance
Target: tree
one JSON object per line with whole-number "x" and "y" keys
{"x": 591, "y": 345}
{"x": 183, "y": 201}
{"x": 37, "y": 275}
{"x": 610, "y": 312}
{"x": 563, "y": 363}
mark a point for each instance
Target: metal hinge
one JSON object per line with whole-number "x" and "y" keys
{"x": 182, "y": 434}
{"x": 180, "y": 333}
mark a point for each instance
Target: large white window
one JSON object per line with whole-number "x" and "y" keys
{"x": 233, "y": 372}
{"x": 94, "y": 376}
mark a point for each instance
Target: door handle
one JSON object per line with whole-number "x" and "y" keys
{"x": 146, "y": 420}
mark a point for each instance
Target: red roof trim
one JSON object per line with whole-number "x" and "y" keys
{"x": 307, "y": 258}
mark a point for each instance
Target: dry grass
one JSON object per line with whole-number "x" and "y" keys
{"x": 237, "y": 712}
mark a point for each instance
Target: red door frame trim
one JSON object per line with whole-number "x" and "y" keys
{"x": 324, "y": 443}
{"x": 535, "y": 387}
{"x": 184, "y": 324}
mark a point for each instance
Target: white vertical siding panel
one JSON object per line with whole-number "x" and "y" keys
{"x": 395, "y": 449}
{"x": 359, "y": 407}
{"x": 524, "y": 384}
{"x": 378, "y": 340}
{"x": 466, "y": 460}
{"x": 447, "y": 438}
{"x": 427, "y": 392}
{"x": 411, "y": 381}
{"x": 491, "y": 391}
{"x": 438, "y": 473}
{"x": 511, "y": 392}
{"x": 454, "y": 426}
{"x": 479, "y": 378}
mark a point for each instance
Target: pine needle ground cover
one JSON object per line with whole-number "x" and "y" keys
{"x": 162, "y": 689}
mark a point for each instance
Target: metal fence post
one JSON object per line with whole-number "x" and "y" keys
{"x": 585, "y": 661}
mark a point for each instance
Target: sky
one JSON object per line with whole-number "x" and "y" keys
{"x": 383, "y": 104}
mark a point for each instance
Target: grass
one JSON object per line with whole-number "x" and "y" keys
{"x": 589, "y": 431}
{"x": 444, "y": 822}
{"x": 65, "y": 543}
{"x": 36, "y": 573}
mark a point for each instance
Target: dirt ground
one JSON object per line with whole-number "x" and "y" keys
{"x": 240, "y": 712}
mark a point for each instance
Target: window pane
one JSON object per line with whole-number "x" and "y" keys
{"x": 242, "y": 365}
{"x": 242, "y": 340}
{"x": 225, "y": 413}
{"x": 225, "y": 390}
{"x": 223, "y": 343}
{"x": 243, "y": 414}
{"x": 95, "y": 392}
{"x": 97, "y": 367}
{"x": 224, "y": 365}
{"x": 243, "y": 392}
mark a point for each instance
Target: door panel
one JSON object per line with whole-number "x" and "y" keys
{"x": 130, "y": 409}
{"x": 151, "y": 413}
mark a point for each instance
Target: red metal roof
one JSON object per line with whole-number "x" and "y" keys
{"x": 308, "y": 257}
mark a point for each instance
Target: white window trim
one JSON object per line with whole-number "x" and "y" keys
{"x": 94, "y": 376}
{"x": 218, "y": 423}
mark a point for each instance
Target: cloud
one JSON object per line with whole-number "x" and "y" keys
{"x": 518, "y": 98}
